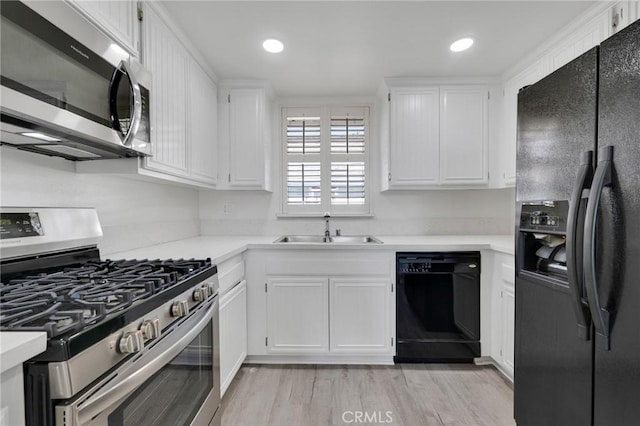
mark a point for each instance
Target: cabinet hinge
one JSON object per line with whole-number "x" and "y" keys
{"x": 488, "y": 95}
{"x": 616, "y": 18}
{"x": 265, "y": 287}
{"x": 140, "y": 13}
{"x": 229, "y": 177}
{"x": 229, "y": 98}
{"x": 391, "y": 287}
{"x": 389, "y": 96}
{"x": 266, "y": 341}
{"x": 389, "y": 177}
{"x": 392, "y": 341}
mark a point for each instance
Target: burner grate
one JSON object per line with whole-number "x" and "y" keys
{"x": 74, "y": 297}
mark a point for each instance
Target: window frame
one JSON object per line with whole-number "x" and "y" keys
{"x": 325, "y": 158}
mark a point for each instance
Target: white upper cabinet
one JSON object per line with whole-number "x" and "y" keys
{"x": 586, "y": 37}
{"x": 119, "y": 19}
{"x": 564, "y": 48}
{"x": 463, "y": 135}
{"x": 414, "y": 145}
{"x": 203, "y": 125}
{"x": 438, "y": 137}
{"x": 167, "y": 59}
{"x": 245, "y": 132}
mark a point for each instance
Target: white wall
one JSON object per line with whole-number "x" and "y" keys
{"x": 396, "y": 212}
{"x": 133, "y": 213}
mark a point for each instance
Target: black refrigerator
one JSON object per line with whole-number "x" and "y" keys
{"x": 577, "y": 343}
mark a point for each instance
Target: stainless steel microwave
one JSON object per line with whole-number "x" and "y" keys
{"x": 68, "y": 90}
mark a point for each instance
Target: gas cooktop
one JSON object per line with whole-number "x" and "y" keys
{"x": 79, "y": 305}
{"x": 75, "y": 297}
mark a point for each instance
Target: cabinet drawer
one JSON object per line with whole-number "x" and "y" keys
{"x": 230, "y": 272}
{"x": 508, "y": 273}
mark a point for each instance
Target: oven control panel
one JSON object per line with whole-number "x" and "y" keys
{"x": 19, "y": 225}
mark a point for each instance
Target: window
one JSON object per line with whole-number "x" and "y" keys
{"x": 325, "y": 160}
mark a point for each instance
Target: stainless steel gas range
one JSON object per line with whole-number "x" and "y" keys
{"x": 130, "y": 342}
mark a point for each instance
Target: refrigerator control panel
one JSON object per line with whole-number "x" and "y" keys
{"x": 544, "y": 216}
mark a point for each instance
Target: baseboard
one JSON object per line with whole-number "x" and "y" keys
{"x": 487, "y": 360}
{"x": 319, "y": 359}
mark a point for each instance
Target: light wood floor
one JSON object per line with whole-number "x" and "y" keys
{"x": 414, "y": 394}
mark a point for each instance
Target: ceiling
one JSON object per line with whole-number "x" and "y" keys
{"x": 346, "y": 48}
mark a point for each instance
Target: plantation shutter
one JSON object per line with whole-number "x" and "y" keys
{"x": 303, "y": 160}
{"x": 325, "y": 155}
{"x": 348, "y": 148}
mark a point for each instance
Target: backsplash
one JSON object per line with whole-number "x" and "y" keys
{"x": 133, "y": 213}
{"x": 443, "y": 212}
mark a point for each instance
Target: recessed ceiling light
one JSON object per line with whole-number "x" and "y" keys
{"x": 40, "y": 136}
{"x": 272, "y": 45}
{"x": 462, "y": 44}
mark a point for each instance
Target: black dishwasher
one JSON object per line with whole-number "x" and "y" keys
{"x": 438, "y": 307}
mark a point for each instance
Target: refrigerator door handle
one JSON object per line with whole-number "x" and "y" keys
{"x": 576, "y": 204}
{"x": 601, "y": 179}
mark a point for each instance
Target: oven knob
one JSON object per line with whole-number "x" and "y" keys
{"x": 199, "y": 294}
{"x": 151, "y": 329}
{"x": 213, "y": 288}
{"x": 131, "y": 342}
{"x": 207, "y": 290}
{"x": 179, "y": 309}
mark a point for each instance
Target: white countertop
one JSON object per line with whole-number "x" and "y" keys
{"x": 16, "y": 347}
{"x": 220, "y": 248}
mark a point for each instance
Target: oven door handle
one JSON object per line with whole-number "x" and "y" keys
{"x": 134, "y": 375}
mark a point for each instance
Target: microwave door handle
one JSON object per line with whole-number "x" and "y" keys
{"x": 601, "y": 179}
{"x": 573, "y": 253}
{"x": 136, "y": 103}
{"x": 134, "y": 376}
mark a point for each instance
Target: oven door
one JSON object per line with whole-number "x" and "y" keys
{"x": 175, "y": 380}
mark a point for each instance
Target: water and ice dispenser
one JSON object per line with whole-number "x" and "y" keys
{"x": 543, "y": 228}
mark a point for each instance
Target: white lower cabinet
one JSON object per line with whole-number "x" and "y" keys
{"x": 233, "y": 333}
{"x": 297, "y": 315}
{"x": 360, "y": 315}
{"x": 321, "y": 305}
{"x": 508, "y": 309}
{"x": 503, "y": 328}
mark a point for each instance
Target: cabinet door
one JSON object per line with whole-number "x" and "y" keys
{"x": 586, "y": 37}
{"x": 414, "y": 151}
{"x": 119, "y": 19}
{"x": 203, "y": 125}
{"x": 247, "y": 135}
{"x": 463, "y": 135}
{"x": 508, "y": 330}
{"x": 508, "y": 302}
{"x": 233, "y": 333}
{"x": 298, "y": 315}
{"x": 167, "y": 59}
{"x": 360, "y": 312}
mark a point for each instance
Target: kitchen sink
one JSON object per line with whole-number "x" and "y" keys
{"x": 342, "y": 239}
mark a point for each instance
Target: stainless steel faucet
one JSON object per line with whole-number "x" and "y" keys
{"x": 327, "y": 230}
